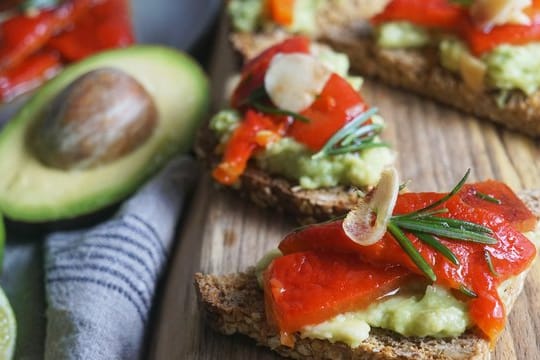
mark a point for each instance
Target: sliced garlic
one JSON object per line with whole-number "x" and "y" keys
{"x": 489, "y": 13}
{"x": 293, "y": 81}
{"x": 366, "y": 224}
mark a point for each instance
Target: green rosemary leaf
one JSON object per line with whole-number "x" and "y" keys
{"x": 487, "y": 197}
{"x": 465, "y": 290}
{"x": 363, "y": 130}
{"x": 439, "y": 229}
{"x": 255, "y": 95}
{"x": 438, "y": 246}
{"x": 411, "y": 251}
{"x": 357, "y": 147}
{"x": 487, "y": 256}
{"x": 454, "y": 191}
{"x": 275, "y": 111}
{"x": 29, "y": 5}
{"x": 345, "y": 131}
{"x": 457, "y": 224}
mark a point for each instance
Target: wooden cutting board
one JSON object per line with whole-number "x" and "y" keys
{"x": 224, "y": 234}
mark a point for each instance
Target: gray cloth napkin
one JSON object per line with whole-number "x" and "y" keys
{"x": 100, "y": 282}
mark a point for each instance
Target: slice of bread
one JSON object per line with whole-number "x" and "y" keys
{"x": 235, "y": 304}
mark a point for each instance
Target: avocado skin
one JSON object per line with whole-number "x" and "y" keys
{"x": 184, "y": 90}
{"x": 2, "y": 242}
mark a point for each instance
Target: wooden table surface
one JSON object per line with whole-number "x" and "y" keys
{"x": 224, "y": 234}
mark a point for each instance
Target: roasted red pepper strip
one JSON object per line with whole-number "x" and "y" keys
{"x": 438, "y": 14}
{"x": 337, "y": 104}
{"x": 512, "y": 254}
{"x": 244, "y": 141}
{"x": 106, "y": 25}
{"x": 510, "y": 206}
{"x": 24, "y": 35}
{"x": 307, "y": 288}
{"x": 28, "y": 75}
{"x": 252, "y": 77}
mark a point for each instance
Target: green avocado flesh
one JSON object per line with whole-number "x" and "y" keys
{"x": 32, "y": 192}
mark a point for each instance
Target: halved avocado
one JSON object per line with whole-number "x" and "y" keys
{"x": 33, "y": 192}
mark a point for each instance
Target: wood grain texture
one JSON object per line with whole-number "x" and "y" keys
{"x": 225, "y": 234}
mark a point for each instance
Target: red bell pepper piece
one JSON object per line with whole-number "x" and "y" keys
{"x": 106, "y": 25}
{"x": 336, "y": 105}
{"x": 22, "y": 35}
{"x": 28, "y": 75}
{"x": 244, "y": 141}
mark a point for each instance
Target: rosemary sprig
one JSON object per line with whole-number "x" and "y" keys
{"x": 465, "y": 290}
{"x": 445, "y": 198}
{"x": 409, "y": 248}
{"x": 426, "y": 226}
{"x": 29, "y": 5}
{"x": 275, "y": 111}
{"x": 487, "y": 197}
{"x": 355, "y": 136}
{"x": 438, "y": 246}
{"x": 487, "y": 256}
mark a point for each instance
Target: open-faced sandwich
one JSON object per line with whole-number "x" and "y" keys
{"x": 409, "y": 276}
{"x": 298, "y": 136}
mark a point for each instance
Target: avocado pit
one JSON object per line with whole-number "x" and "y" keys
{"x": 101, "y": 116}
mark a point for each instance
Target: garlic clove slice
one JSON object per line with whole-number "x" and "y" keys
{"x": 366, "y": 224}
{"x": 293, "y": 81}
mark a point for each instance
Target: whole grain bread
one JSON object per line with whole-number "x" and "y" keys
{"x": 235, "y": 304}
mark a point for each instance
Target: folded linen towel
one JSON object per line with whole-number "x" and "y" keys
{"x": 100, "y": 282}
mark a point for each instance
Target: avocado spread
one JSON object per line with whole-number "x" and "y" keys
{"x": 507, "y": 67}
{"x": 437, "y": 313}
{"x": 248, "y": 15}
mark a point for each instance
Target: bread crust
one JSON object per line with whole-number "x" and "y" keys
{"x": 235, "y": 304}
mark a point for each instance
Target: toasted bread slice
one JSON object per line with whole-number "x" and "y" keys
{"x": 235, "y": 304}
{"x": 280, "y": 194}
